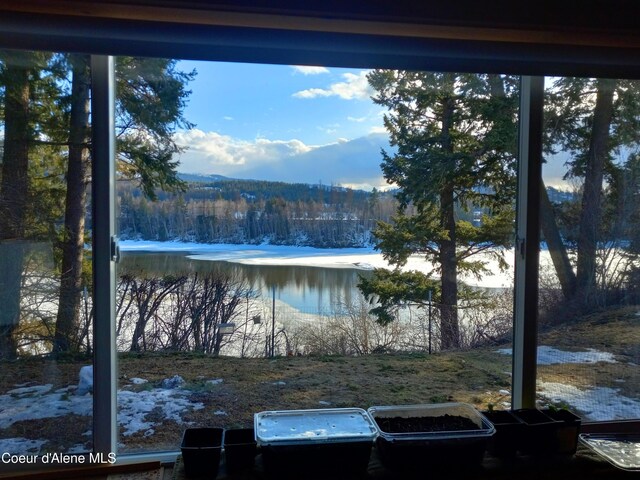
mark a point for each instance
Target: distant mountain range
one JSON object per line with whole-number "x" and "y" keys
{"x": 212, "y": 186}
{"x": 560, "y": 196}
{"x": 354, "y": 163}
{"x": 201, "y": 178}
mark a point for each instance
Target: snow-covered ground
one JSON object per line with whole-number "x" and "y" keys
{"x": 594, "y": 403}
{"x": 40, "y": 401}
{"x": 363, "y": 258}
{"x": 551, "y": 356}
{"x": 171, "y": 400}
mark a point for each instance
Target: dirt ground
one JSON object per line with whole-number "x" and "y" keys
{"x": 480, "y": 377}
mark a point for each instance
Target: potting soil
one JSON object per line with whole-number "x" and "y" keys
{"x": 442, "y": 423}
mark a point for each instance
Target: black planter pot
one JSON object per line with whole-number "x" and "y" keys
{"x": 567, "y": 430}
{"x": 443, "y": 450}
{"x": 201, "y": 448}
{"x": 509, "y": 432}
{"x": 240, "y": 449}
{"x": 320, "y": 443}
{"x": 539, "y": 433}
{"x": 323, "y": 461}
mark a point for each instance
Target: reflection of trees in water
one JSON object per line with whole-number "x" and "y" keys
{"x": 312, "y": 286}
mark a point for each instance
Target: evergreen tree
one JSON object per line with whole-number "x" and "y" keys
{"x": 592, "y": 119}
{"x": 455, "y": 137}
{"x": 150, "y": 103}
{"x": 77, "y": 133}
{"x": 27, "y": 87}
{"x": 151, "y": 97}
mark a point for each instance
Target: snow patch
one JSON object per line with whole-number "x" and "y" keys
{"x": 31, "y": 391}
{"x": 174, "y": 382}
{"x": 78, "y": 448}
{"x": 215, "y": 381}
{"x": 47, "y": 405}
{"x": 596, "y": 404}
{"x": 138, "y": 381}
{"x": 85, "y": 385}
{"x": 134, "y": 408}
{"x": 552, "y": 356}
{"x": 21, "y": 446}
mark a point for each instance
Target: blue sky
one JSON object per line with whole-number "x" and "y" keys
{"x": 290, "y": 123}
{"x": 259, "y": 121}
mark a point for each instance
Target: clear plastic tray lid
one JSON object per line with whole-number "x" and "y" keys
{"x": 313, "y": 426}
{"x": 620, "y": 449}
{"x": 484, "y": 427}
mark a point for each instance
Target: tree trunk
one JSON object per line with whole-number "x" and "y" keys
{"x": 557, "y": 250}
{"x": 591, "y": 213}
{"x": 449, "y": 329}
{"x": 67, "y": 320}
{"x": 13, "y": 198}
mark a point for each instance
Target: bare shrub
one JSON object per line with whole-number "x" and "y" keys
{"x": 489, "y": 322}
{"x": 362, "y": 333}
{"x": 350, "y": 330}
{"x": 181, "y": 312}
{"x": 145, "y": 305}
{"x": 615, "y": 285}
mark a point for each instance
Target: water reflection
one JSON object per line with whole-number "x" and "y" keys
{"x": 304, "y": 288}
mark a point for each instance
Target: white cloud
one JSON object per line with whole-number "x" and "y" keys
{"x": 329, "y": 129}
{"x": 312, "y": 93}
{"x": 344, "y": 162}
{"x": 357, "y": 119}
{"x": 347, "y": 162}
{"x": 211, "y": 152}
{"x": 354, "y": 87}
{"x": 377, "y": 129}
{"x": 307, "y": 70}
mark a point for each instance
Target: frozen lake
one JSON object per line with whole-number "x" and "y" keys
{"x": 307, "y": 279}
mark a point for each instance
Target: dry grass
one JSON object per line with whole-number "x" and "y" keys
{"x": 253, "y": 385}
{"x": 616, "y": 332}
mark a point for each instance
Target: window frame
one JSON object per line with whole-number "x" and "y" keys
{"x": 104, "y": 254}
{"x": 291, "y": 40}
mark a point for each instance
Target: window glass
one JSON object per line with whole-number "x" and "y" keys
{"x": 46, "y": 331}
{"x": 248, "y": 278}
{"x": 589, "y": 338}
{"x": 306, "y": 237}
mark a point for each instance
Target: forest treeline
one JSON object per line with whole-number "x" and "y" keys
{"x": 256, "y": 211}
{"x": 251, "y": 211}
